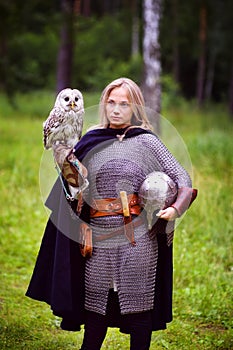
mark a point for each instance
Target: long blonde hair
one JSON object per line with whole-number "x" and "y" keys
{"x": 136, "y": 99}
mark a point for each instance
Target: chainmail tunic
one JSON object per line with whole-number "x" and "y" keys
{"x": 123, "y": 166}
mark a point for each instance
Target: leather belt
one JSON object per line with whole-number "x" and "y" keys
{"x": 126, "y": 205}
{"x": 113, "y": 206}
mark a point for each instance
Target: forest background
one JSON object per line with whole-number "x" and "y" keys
{"x": 86, "y": 44}
{"x": 47, "y": 45}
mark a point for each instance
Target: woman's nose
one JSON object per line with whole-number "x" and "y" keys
{"x": 116, "y": 108}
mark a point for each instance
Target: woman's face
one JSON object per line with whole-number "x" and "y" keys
{"x": 118, "y": 108}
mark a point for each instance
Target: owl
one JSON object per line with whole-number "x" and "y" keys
{"x": 65, "y": 121}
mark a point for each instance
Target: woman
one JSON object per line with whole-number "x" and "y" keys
{"x": 126, "y": 281}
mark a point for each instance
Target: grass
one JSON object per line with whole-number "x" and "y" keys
{"x": 203, "y": 249}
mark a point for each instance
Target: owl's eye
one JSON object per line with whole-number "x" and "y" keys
{"x": 76, "y": 99}
{"x": 67, "y": 99}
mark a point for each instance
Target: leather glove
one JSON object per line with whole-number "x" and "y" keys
{"x": 72, "y": 169}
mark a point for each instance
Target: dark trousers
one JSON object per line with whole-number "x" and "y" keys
{"x": 96, "y": 326}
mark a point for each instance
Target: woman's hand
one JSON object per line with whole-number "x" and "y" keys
{"x": 169, "y": 214}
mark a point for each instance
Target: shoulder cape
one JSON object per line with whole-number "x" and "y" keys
{"x": 97, "y": 137}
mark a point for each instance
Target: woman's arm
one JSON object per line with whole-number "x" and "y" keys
{"x": 169, "y": 165}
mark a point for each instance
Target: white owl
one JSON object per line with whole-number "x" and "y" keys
{"x": 65, "y": 121}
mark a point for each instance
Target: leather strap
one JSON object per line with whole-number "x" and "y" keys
{"x": 113, "y": 206}
{"x": 128, "y": 226}
{"x": 135, "y": 223}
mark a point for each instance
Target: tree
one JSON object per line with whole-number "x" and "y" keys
{"x": 231, "y": 92}
{"x": 65, "y": 54}
{"x": 202, "y": 54}
{"x": 135, "y": 29}
{"x": 86, "y": 10}
{"x": 151, "y": 84}
{"x": 175, "y": 48}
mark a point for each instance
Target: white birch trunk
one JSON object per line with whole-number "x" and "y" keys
{"x": 151, "y": 54}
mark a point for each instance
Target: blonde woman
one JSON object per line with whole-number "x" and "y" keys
{"x": 125, "y": 280}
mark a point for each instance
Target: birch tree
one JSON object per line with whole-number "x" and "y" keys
{"x": 151, "y": 85}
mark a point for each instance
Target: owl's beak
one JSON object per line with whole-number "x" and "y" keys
{"x": 72, "y": 104}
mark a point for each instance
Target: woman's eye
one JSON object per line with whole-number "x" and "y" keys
{"x": 112, "y": 104}
{"x": 124, "y": 104}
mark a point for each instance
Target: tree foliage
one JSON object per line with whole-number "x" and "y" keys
{"x": 28, "y": 45}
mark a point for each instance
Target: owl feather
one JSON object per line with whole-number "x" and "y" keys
{"x": 63, "y": 129}
{"x": 65, "y": 121}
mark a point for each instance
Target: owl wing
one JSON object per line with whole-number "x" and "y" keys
{"x": 79, "y": 121}
{"x": 52, "y": 125}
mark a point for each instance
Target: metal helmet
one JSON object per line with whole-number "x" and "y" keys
{"x": 157, "y": 191}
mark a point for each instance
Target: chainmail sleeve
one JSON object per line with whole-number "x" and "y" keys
{"x": 167, "y": 162}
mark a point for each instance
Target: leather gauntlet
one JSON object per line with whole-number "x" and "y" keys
{"x": 185, "y": 197}
{"x": 60, "y": 152}
{"x": 72, "y": 169}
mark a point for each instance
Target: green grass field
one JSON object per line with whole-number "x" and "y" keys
{"x": 203, "y": 246}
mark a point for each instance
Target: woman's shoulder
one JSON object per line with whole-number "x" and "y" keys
{"x": 148, "y": 136}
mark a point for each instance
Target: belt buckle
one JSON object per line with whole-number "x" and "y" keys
{"x": 115, "y": 207}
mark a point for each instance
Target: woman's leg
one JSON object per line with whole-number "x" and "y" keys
{"x": 96, "y": 325}
{"x": 140, "y": 330}
{"x": 95, "y": 330}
